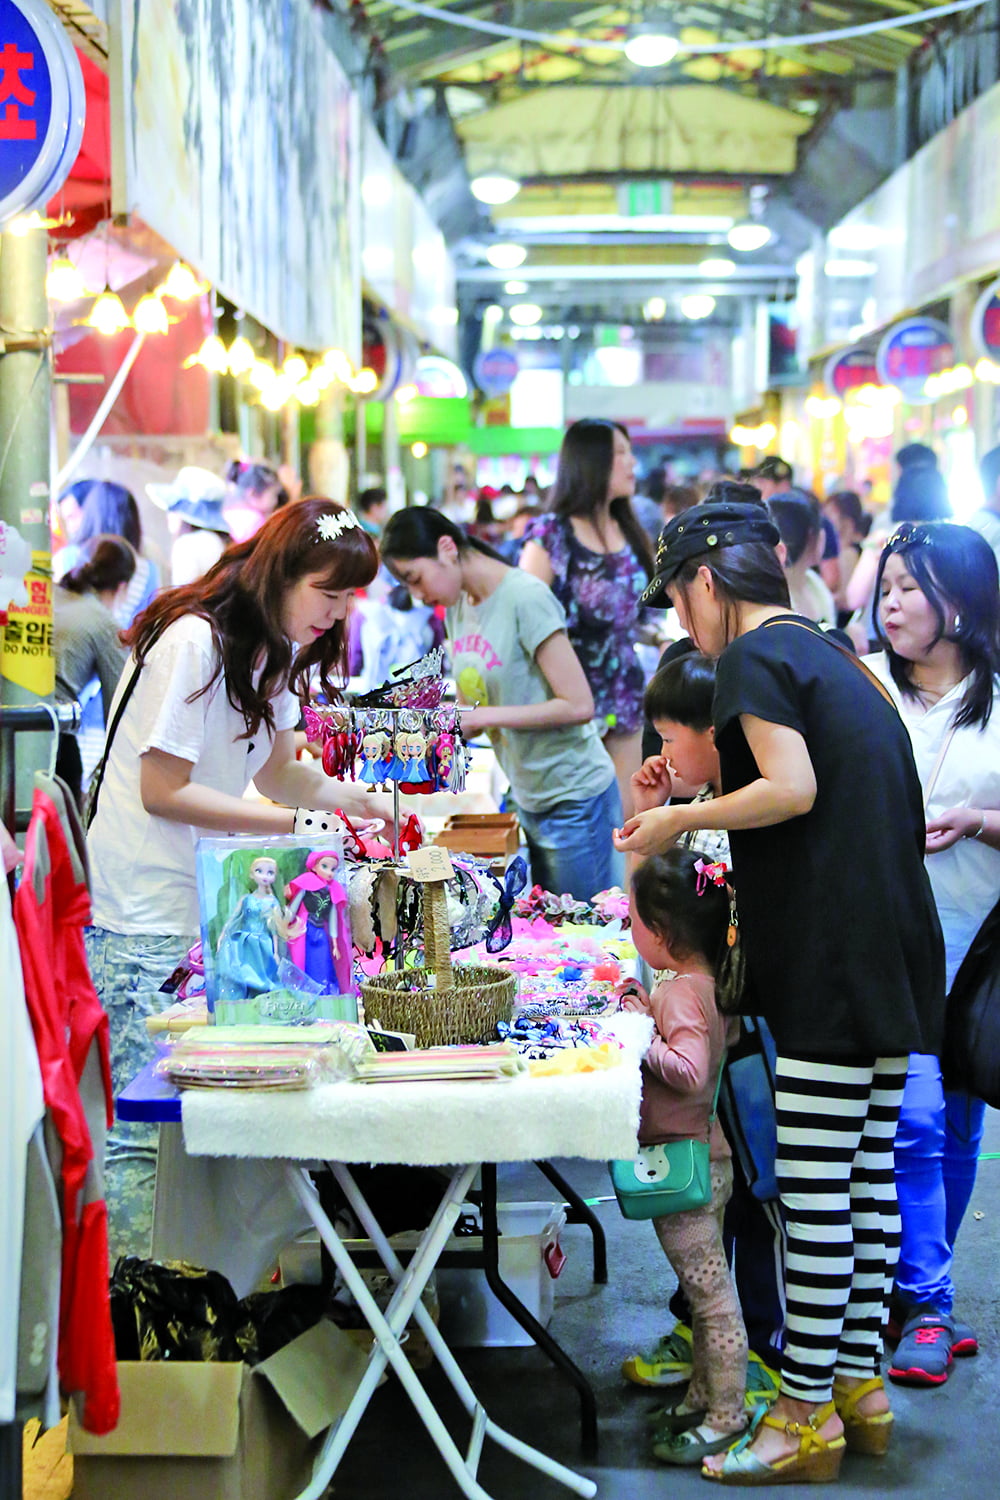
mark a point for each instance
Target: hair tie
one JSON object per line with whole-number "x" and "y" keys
{"x": 707, "y": 871}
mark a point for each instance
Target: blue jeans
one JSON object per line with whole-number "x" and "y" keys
{"x": 937, "y": 1152}
{"x": 570, "y": 845}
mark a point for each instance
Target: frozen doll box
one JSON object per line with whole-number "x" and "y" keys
{"x": 275, "y": 930}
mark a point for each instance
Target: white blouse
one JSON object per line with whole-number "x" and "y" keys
{"x": 965, "y": 879}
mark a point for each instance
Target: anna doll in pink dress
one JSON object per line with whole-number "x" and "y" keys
{"x": 323, "y": 949}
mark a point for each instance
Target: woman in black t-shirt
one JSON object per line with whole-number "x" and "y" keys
{"x": 844, "y": 960}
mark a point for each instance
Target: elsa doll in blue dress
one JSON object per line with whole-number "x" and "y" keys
{"x": 247, "y": 949}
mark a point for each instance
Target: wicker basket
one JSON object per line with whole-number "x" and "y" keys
{"x": 462, "y": 1004}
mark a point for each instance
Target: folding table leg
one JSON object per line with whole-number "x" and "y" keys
{"x": 387, "y": 1328}
{"x": 447, "y": 1360}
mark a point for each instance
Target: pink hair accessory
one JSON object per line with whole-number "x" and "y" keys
{"x": 706, "y": 871}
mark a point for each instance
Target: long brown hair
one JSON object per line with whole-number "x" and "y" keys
{"x": 243, "y": 599}
{"x": 582, "y": 477}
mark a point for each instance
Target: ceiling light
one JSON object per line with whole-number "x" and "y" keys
{"x": 494, "y": 187}
{"x": 182, "y": 284}
{"x": 308, "y": 392}
{"x": 506, "y": 257}
{"x": 524, "y": 314}
{"x": 241, "y": 358}
{"x": 212, "y": 356}
{"x": 845, "y": 267}
{"x": 337, "y": 361}
{"x": 364, "y": 383}
{"x": 260, "y": 374}
{"x": 515, "y": 288}
{"x": 419, "y": 450}
{"x": 150, "y": 315}
{"x": 857, "y": 238}
{"x": 698, "y": 305}
{"x": 654, "y": 308}
{"x": 716, "y": 266}
{"x": 24, "y": 223}
{"x": 749, "y": 234}
{"x": 63, "y": 283}
{"x": 493, "y": 313}
{"x": 295, "y": 368}
{"x": 651, "y": 49}
{"x": 108, "y": 315}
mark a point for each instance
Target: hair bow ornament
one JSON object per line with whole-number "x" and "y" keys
{"x": 709, "y": 872}
{"x": 500, "y": 932}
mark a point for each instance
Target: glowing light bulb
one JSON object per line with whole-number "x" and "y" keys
{"x": 181, "y": 284}
{"x": 505, "y": 257}
{"x": 64, "y": 282}
{"x": 241, "y": 357}
{"x": 261, "y": 373}
{"x": 24, "y": 224}
{"x": 749, "y": 235}
{"x": 295, "y": 367}
{"x": 494, "y": 187}
{"x": 364, "y": 383}
{"x": 524, "y": 314}
{"x": 419, "y": 450}
{"x": 406, "y": 393}
{"x": 698, "y": 305}
{"x": 651, "y": 49}
{"x": 211, "y": 356}
{"x": 337, "y": 361}
{"x": 150, "y": 315}
{"x": 108, "y": 315}
{"x": 308, "y": 392}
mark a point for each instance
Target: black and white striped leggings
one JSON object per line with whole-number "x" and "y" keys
{"x": 836, "y": 1127}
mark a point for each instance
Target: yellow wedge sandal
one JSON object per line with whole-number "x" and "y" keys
{"x": 817, "y": 1460}
{"x": 864, "y": 1434}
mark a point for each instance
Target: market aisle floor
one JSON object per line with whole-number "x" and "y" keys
{"x": 947, "y": 1441}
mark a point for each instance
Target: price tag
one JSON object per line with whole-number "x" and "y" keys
{"x": 430, "y": 863}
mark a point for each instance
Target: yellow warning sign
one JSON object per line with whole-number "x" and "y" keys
{"x": 27, "y": 658}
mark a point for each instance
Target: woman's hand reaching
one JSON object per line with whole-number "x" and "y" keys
{"x": 650, "y": 832}
{"x": 953, "y": 824}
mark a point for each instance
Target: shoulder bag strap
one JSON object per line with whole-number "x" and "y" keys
{"x": 97, "y": 779}
{"x": 718, "y": 1085}
{"x": 938, "y": 763}
{"x": 880, "y": 686}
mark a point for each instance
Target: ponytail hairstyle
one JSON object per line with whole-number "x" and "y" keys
{"x": 243, "y": 597}
{"x": 692, "y": 922}
{"x": 250, "y": 478}
{"x": 744, "y": 573}
{"x": 106, "y": 562}
{"x": 416, "y": 531}
{"x": 582, "y": 477}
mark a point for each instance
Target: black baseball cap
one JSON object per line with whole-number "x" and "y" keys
{"x": 701, "y": 530}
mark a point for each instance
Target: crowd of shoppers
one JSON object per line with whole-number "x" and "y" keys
{"x": 752, "y": 788}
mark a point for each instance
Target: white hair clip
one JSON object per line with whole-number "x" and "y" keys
{"x": 329, "y": 527}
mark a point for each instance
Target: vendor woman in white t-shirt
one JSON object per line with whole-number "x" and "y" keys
{"x": 214, "y": 691}
{"x": 511, "y": 654}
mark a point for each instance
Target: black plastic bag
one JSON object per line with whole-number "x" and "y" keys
{"x": 970, "y": 1058}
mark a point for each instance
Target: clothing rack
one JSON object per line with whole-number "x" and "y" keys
{"x": 18, "y": 718}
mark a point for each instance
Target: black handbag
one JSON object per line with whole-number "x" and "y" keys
{"x": 970, "y": 1057}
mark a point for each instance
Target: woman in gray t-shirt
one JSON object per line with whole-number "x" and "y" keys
{"x": 512, "y": 661}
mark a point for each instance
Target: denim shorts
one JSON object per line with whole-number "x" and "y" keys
{"x": 570, "y": 846}
{"x": 127, "y": 972}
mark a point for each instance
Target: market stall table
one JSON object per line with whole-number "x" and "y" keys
{"x": 246, "y": 1153}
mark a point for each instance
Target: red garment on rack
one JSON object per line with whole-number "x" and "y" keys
{"x": 51, "y": 909}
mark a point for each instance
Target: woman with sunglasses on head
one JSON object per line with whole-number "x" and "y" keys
{"x": 843, "y": 955}
{"x": 939, "y": 621}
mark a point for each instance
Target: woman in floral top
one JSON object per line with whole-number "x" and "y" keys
{"x": 592, "y": 552}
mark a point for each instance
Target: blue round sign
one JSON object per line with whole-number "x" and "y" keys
{"x": 495, "y": 371}
{"x": 42, "y": 106}
{"x": 910, "y": 352}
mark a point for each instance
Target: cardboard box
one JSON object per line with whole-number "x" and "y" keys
{"x": 491, "y": 835}
{"x": 220, "y": 1431}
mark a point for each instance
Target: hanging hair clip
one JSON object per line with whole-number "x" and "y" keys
{"x": 706, "y": 871}
{"x": 329, "y": 526}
